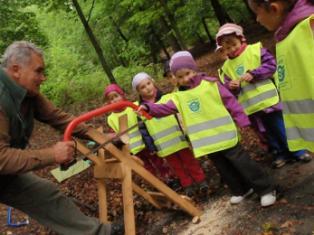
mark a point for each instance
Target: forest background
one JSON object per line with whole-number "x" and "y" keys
{"x": 89, "y": 44}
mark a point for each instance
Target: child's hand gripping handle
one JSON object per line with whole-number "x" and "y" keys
{"x": 97, "y": 112}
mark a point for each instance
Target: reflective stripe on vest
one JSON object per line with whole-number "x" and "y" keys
{"x": 295, "y": 133}
{"x": 136, "y": 145}
{"x": 136, "y": 142}
{"x": 255, "y": 96}
{"x": 171, "y": 142}
{"x": 298, "y": 106}
{"x": 166, "y": 133}
{"x": 258, "y": 99}
{"x": 295, "y": 56}
{"x": 209, "y": 125}
{"x": 214, "y": 139}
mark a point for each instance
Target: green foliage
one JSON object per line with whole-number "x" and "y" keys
{"x": 18, "y": 24}
{"x": 131, "y": 34}
{"x": 124, "y": 75}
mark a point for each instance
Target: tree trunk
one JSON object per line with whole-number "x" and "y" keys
{"x": 173, "y": 23}
{"x": 210, "y": 38}
{"x": 172, "y": 38}
{"x": 220, "y": 12}
{"x": 153, "y": 53}
{"x": 94, "y": 42}
{"x": 199, "y": 38}
{"x": 119, "y": 30}
{"x": 249, "y": 9}
{"x": 160, "y": 42}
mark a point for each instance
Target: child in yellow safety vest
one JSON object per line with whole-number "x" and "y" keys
{"x": 248, "y": 74}
{"x": 155, "y": 165}
{"x": 293, "y": 23}
{"x": 209, "y": 111}
{"x": 165, "y": 137}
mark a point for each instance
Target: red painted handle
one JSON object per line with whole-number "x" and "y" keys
{"x": 96, "y": 112}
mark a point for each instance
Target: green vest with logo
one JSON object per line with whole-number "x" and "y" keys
{"x": 11, "y": 98}
{"x": 254, "y": 96}
{"x": 136, "y": 141}
{"x": 166, "y": 132}
{"x": 209, "y": 125}
{"x": 295, "y": 56}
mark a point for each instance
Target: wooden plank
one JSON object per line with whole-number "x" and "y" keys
{"x": 102, "y": 200}
{"x": 84, "y": 150}
{"x": 128, "y": 205}
{"x": 146, "y": 175}
{"x": 123, "y": 125}
{"x": 145, "y": 195}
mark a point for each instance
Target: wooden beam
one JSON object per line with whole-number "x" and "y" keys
{"x": 146, "y": 175}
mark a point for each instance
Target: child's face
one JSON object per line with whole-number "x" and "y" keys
{"x": 270, "y": 17}
{"x": 114, "y": 97}
{"x": 172, "y": 79}
{"x": 146, "y": 88}
{"x": 230, "y": 44}
{"x": 184, "y": 76}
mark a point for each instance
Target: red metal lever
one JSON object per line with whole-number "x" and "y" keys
{"x": 97, "y": 112}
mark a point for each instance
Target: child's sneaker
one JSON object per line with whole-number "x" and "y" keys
{"x": 306, "y": 157}
{"x": 189, "y": 190}
{"x": 268, "y": 199}
{"x": 203, "y": 187}
{"x": 278, "y": 162}
{"x": 237, "y": 199}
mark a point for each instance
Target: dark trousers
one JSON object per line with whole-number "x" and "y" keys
{"x": 275, "y": 133}
{"x": 240, "y": 172}
{"x": 42, "y": 201}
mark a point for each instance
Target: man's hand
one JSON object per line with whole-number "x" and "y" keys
{"x": 63, "y": 151}
{"x": 234, "y": 84}
{"x": 247, "y": 77}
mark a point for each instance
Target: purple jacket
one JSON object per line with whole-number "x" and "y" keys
{"x": 301, "y": 10}
{"x": 266, "y": 70}
{"x": 230, "y": 102}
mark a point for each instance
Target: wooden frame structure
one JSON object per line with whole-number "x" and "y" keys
{"x": 121, "y": 166}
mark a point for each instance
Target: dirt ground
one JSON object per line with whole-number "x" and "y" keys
{"x": 293, "y": 213}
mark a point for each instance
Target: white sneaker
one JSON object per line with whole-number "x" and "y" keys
{"x": 237, "y": 199}
{"x": 268, "y": 199}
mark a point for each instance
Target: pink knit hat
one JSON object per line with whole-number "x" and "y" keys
{"x": 228, "y": 29}
{"x": 182, "y": 60}
{"x": 111, "y": 88}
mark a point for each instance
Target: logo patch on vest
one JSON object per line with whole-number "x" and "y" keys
{"x": 282, "y": 74}
{"x": 240, "y": 70}
{"x": 194, "y": 105}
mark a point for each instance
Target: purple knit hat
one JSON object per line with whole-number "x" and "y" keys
{"x": 182, "y": 60}
{"x": 111, "y": 88}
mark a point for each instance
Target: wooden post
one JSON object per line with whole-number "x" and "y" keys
{"x": 146, "y": 175}
{"x": 128, "y": 206}
{"x": 102, "y": 200}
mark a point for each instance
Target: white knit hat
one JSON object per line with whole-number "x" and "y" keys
{"x": 138, "y": 78}
{"x": 227, "y": 29}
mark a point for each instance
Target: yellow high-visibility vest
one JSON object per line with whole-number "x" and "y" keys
{"x": 254, "y": 96}
{"x": 166, "y": 132}
{"x": 295, "y": 56}
{"x": 209, "y": 125}
{"x": 136, "y": 141}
